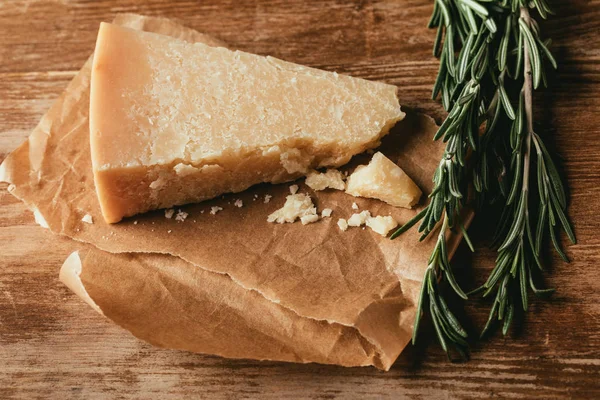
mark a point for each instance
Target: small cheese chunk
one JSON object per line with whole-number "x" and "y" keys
{"x": 354, "y": 206}
{"x": 215, "y": 209}
{"x": 238, "y": 203}
{"x": 326, "y": 212}
{"x": 309, "y": 219}
{"x": 268, "y": 198}
{"x": 296, "y": 206}
{"x": 181, "y": 216}
{"x": 87, "y": 218}
{"x": 169, "y": 213}
{"x": 382, "y": 225}
{"x": 359, "y": 219}
{"x": 343, "y": 224}
{"x": 382, "y": 179}
{"x": 332, "y": 179}
{"x": 294, "y": 189}
{"x": 173, "y": 122}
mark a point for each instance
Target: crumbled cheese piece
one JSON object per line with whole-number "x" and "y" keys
{"x": 343, "y": 224}
{"x": 333, "y": 179}
{"x": 169, "y": 231}
{"x": 135, "y": 222}
{"x": 181, "y": 216}
{"x": 309, "y": 219}
{"x": 382, "y": 179}
{"x": 238, "y": 203}
{"x": 256, "y": 196}
{"x": 268, "y": 198}
{"x": 169, "y": 213}
{"x": 215, "y": 209}
{"x": 359, "y": 219}
{"x": 294, "y": 189}
{"x": 354, "y": 206}
{"x": 382, "y": 225}
{"x": 87, "y": 218}
{"x": 326, "y": 212}
{"x": 296, "y": 206}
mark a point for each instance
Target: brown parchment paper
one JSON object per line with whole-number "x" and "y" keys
{"x": 232, "y": 284}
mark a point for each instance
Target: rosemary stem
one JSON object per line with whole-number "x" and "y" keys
{"x": 528, "y": 94}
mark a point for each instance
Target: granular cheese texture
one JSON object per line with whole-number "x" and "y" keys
{"x": 384, "y": 180}
{"x": 298, "y": 205}
{"x": 173, "y": 122}
{"x": 331, "y": 179}
{"x": 382, "y": 225}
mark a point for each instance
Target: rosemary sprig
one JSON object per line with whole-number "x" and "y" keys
{"x": 519, "y": 252}
{"x": 486, "y": 49}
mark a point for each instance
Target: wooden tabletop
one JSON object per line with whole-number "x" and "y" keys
{"x": 53, "y": 345}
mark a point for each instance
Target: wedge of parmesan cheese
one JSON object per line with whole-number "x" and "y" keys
{"x": 297, "y": 205}
{"x": 331, "y": 179}
{"x": 173, "y": 122}
{"x": 384, "y": 180}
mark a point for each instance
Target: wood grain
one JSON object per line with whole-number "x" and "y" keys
{"x": 52, "y": 345}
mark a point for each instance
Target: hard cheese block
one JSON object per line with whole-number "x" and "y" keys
{"x": 173, "y": 122}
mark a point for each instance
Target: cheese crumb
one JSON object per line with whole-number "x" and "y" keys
{"x": 359, "y": 219}
{"x": 326, "y": 212}
{"x": 238, "y": 203}
{"x": 216, "y": 209}
{"x": 87, "y": 218}
{"x": 296, "y": 206}
{"x": 382, "y": 225}
{"x": 169, "y": 231}
{"x": 268, "y": 198}
{"x": 309, "y": 219}
{"x": 382, "y": 179}
{"x": 343, "y": 224}
{"x": 135, "y": 222}
{"x": 354, "y": 206}
{"x": 294, "y": 189}
{"x": 169, "y": 213}
{"x": 333, "y": 179}
{"x": 181, "y": 216}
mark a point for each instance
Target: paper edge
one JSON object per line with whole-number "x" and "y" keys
{"x": 70, "y": 276}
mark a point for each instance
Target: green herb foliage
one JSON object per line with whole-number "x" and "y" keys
{"x": 492, "y": 58}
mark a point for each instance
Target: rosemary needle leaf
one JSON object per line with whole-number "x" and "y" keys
{"x": 508, "y": 319}
{"x": 409, "y": 224}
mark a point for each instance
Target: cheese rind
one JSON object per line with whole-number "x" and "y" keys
{"x": 173, "y": 122}
{"x": 384, "y": 180}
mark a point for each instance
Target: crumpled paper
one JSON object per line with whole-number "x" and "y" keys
{"x": 230, "y": 283}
